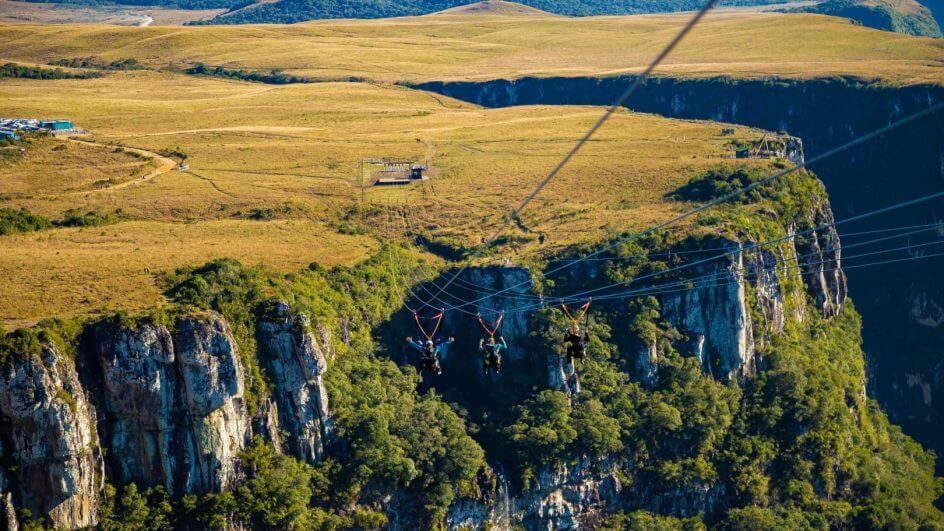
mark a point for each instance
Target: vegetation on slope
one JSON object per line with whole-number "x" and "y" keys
{"x": 13, "y": 220}
{"x": 13, "y": 70}
{"x": 902, "y": 16}
{"x": 799, "y": 445}
{"x": 290, "y": 11}
{"x": 394, "y": 437}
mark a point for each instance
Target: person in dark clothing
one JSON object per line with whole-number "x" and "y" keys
{"x": 491, "y": 353}
{"x": 430, "y": 352}
{"x": 576, "y": 344}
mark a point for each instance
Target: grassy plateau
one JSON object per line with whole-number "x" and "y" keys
{"x": 272, "y": 172}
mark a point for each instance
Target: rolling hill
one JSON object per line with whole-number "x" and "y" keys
{"x": 458, "y": 47}
{"x": 902, "y": 16}
{"x": 290, "y": 11}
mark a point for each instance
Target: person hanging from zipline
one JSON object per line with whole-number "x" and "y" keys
{"x": 492, "y": 350}
{"x": 576, "y": 341}
{"x": 431, "y": 351}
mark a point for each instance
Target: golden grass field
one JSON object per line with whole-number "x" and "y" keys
{"x": 294, "y": 151}
{"x": 463, "y": 46}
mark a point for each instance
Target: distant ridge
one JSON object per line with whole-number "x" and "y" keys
{"x": 291, "y": 11}
{"x": 494, "y": 7}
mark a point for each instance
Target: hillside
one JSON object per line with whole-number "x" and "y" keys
{"x": 902, "y": 16}
{"x": 493, "y": 7}
{"x": 290, "y": 11}
{"x": 449, "y": 47}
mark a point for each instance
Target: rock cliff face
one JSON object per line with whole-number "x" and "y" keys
{"x": 173, "y": 403}
{"x": 297, "y": 361}
{"x": 564, "y": 497}
{"x": 48, "y": 432}
{"x": 724, "y": 322}
{"x": 212, "y": 385}
{"x": 140, "y": 403}
{"x": 167, "y": 402}
{"x": 715, "y": 317}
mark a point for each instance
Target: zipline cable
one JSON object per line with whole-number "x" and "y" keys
{"x": 911, "y": 202}
{"x": 903, "y": 204}
{"x": 634, "y": 293}
{"x": 701, "y": 280}
{"x": 912, "y": 229}
{"x": 777, "y": 175}
{"x": 684, "y": 281}
{"x": 589, "y": 134}
{"x": 844, "y": 236}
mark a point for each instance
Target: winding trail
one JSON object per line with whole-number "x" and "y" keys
{"x": 164, "y": 165}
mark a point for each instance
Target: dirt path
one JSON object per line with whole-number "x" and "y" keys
{"x": 164, "y": 165}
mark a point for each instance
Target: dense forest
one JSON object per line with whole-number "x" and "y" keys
{"x": 903, "y": 16}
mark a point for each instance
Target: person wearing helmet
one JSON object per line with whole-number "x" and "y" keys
{"x": 430, "y": 352}
{"x": 491, "y": 353}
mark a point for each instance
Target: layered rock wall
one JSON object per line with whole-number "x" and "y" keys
{"x": 48, "y": 432}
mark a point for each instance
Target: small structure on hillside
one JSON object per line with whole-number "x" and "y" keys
{"x": 28, "y": 125}
{"x": 774, "y": 147}
{"x": 727, "y": 131}
{"x": 392, "y": 172}
{"x": 57, "y": 125}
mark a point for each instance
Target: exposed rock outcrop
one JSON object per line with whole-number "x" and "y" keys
{"x": 716, "y": 317}
{"x": 562, "y": 497}
{"x": 48, "y": 431}
{"x": 140, "y": 402}
{"x": 173, "y": 404}
{"x": 821, "y": 252}
{"x": 8, "y": 521}
{"x": 297, "y": 363}
{"x": 213, "y": 395}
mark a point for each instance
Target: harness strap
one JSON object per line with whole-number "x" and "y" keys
{"x": 583, "y": 312}
{"x": 491, "y": 331}
{"x": 438, "y": 317}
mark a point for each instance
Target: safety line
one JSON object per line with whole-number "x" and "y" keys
{"x": 634, "y": 236}
{"x": 583, "y": 140}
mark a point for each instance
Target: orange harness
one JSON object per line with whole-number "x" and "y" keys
{"x": 583, "y": 311}
{"x": 438, "y": 318}
{"x": 491, "y": 331}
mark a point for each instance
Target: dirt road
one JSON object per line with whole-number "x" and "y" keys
{"x": 164, "y": 165}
